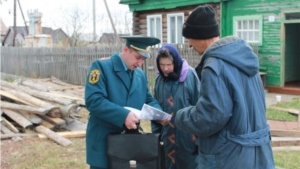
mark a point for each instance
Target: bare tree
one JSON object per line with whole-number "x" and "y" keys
{"x": 75, "y": 23}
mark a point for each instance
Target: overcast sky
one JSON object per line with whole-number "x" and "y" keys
{"x": 52, "y": 11}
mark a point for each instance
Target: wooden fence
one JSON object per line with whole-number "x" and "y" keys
{"x": 71, "y": 64}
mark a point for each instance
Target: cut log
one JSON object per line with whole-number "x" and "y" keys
{"x": 5, "y": 129}
{"x": 9, "y": 125}
{"x": 68, "y": 109}
{"x": 24, "y": 108}
{"x": 5, "y": 136}
{"x": 38, "y": 94}
{"x": 57, "y": 122}
{"x": 65, "y": 96}
{"x": 68, "y": 88}
{"x": 52, "y": 135}
{"x": 18, "y": 118}
{"x": 54, "y": 111}
{"x": 285, "y": 133}
{"x": 68, "y": 134}
{"x": 34, "y": 86}
{"x": 33, "y": 118}
{"x": 8, "y": 95}
{"x": 290, "y": 110}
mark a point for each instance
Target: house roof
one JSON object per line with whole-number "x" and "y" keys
{"x": 143, "y": 5}
{"x": 110, "y": 38}
{"x": 3, "y": 28}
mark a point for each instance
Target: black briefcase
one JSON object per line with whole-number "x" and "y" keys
{"x": 139, "y": 151}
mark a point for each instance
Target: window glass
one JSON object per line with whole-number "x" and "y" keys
{"x": 248, "y": 28}
{"x": 154, "y": 27}
{"x": 175, "y": 22}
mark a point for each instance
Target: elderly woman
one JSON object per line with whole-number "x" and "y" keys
{"x": 177, "y": 86}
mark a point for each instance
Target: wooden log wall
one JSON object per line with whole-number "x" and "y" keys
{"x": 139, "y": 26}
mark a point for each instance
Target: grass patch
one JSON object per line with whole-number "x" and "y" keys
{"x": 43, "y": 153}
{"x": 287, "y": 159}
{"x": 273, "y": 114}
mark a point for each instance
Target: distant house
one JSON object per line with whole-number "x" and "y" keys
{"x": 3, "y": 29}
{"x": 274, "y": 26}
{"x": 164, "y": 18}
{"x": 36, "y": 35}
{"x": 59, "y": 37}
{"x": 110, "y": 38}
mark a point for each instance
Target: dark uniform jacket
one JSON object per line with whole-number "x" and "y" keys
{"x": 108, "y": 89}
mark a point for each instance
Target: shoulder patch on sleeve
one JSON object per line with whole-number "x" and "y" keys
{"x": 94, "y": 76}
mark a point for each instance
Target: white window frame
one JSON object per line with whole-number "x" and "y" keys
{"x": 247, "y": 31}
{"x": 176, "y": 29}
{"x": 148, "y": 25}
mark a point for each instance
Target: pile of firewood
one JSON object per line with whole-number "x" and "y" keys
{"x": 41, "y": 104}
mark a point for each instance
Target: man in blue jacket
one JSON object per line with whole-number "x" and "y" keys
{"x": 230, "y": 115}
{"x": 113, "y": 83}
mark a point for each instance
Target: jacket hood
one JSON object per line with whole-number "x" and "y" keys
{"x": 236, "y": 52}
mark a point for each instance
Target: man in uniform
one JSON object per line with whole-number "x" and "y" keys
{"x": 113, "y": 83}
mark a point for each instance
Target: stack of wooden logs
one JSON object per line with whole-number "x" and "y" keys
{"x": 43, "y": 104}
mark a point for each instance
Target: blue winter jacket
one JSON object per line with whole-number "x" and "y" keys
{"x": 230, "y": 115}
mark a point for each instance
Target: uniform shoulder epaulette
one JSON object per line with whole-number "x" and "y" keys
{"x": 106, "y": 58}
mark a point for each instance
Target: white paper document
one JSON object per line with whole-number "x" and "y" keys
{"x": 150, "y": 113}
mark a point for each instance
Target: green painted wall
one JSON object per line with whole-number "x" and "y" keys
{"x": 142, "y": 5}
{"x": 270, "y": 52}
{"x": 292, "y": 52}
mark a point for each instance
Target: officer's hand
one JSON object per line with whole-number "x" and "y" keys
{"x": 131, "y": 120}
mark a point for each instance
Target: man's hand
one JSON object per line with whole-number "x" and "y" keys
{"x": 131, "y": 120}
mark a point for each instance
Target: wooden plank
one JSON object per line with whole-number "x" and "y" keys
{"x": 9, "y": 125}
{"x": 290, "y": 110}
{"x": 288, "y": 148}
{"x": 34, "y": 86}
{"x": 8, "y": 95}
{"x": 5, "y": 129}
{"x": 5, "y": 136}
{"x": 68, "y": 88}
{"x": 65, "y": 96}
{"x": 52, "y": 135}
{"x": 285, "y": 133}
{"x": 18, "y": 118}
{"x": 33, "y": 118}
{"x": 57, "y": 122}
{"x": 25, "y": 108}
{"x": 41, "y": 95}
{"x": 47, "y": 124}
{"x": 68, "y": 134}
{"x": 285, "y": 141}
{"x": 34, "y": 101}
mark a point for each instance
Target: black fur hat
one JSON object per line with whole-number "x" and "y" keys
{"x": 201, "y": 24}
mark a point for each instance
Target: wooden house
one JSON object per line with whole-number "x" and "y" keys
{"x": 164, "y": 18}
{"x": 274, "y": 26}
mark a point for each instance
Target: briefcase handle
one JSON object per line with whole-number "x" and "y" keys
{"x": 140, "y": 128}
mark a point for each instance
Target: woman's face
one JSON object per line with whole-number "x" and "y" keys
{"x": 166, "y": 65}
